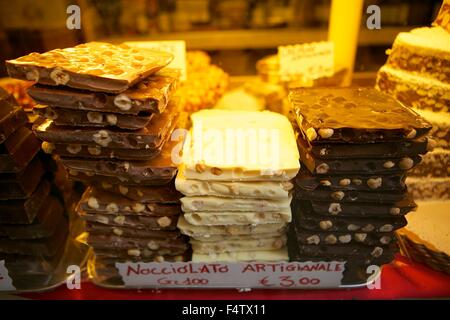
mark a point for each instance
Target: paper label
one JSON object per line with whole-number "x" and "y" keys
{"x": 294, "y": 275}
{"x": 176, "y": 47}
{"x": 5, "y": 280}
{"x": 307, "y": 61}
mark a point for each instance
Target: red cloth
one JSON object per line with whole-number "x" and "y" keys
{"x": 400, "y": 279}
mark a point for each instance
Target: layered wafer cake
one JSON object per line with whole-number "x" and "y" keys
{"x": 417, "y": 73}
{"x": 33, "y": 226}
{"x": 235, "y": 178}
{"x": 107, "y": 112}
{"x": 356, "y": 146}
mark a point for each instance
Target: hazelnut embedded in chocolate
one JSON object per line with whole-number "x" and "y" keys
{"x": 59, "y": 76}
{"x": 314, "y": 239}
{"x": 326, "y": 133}
{"x": 94, "y": 117}
{"x": 322, "y": 168}
{"x": 311, "y": 134}
{"x": 377, "y": 252}
{"x": 330, "y": 239}
{"x": 344, "y": 182}
{"x": 164, "y": 222}
{"x": 386, "y": 228}
{"x": 394, "y": 211}
{"x": 374, "y": 183}
{"x": 325, "y": 224}
{"x": 406, "y": 163}
{"x": 134, "y": 252}
{"x": 338, "y": 195}
{"x": 360, "y": 237}
{"x": 353, "y": 227}
{"x": 122, "y": 102}
{"x": 335, "y": 208}
{"x": 119, "y": 220}
{"x": 93, "y": 203}
{"x": 112, "y": 207}
{"x": 102, "y": 138}
{"x": 345, "y": 238}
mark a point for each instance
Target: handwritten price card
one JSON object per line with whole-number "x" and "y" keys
{"x": 175, "y": 47}
{"x": 308, "y": 61}
{"x": 232, "y": 275}
{"x": 5, "y": 280}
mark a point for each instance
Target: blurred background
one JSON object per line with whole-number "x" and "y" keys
{"x": 235, "y": 33}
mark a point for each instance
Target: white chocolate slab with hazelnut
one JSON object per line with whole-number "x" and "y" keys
{"x": 229, "y": 145}
{"x": 262, "y": 244}
{"x": 237, "y": 217}
{"x": 241, "y": 189}
{"x": 205, "y": 231}
{"x": 210, "y": 203}
{"x": 242, "y": 256}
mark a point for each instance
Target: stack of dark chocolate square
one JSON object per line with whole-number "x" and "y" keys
{"x": 33, "y": 228}
{"x": 356, "y": 146}
{"x": 108, "y": 115}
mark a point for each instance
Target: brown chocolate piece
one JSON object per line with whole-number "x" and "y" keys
{"x": 150, "y": 137}
{"x": 368, "y": 150}
{"x": 401, "y": 207}
{"x": 43, "y": 226}
{"x": 355, "y": 166}
{"x": 102, "y": 229}
{"x": 336, "y": 238}
{"x": 18, "y": 150}
{"x": 358, "y": 251}
{"x": 354, "y": 115}
{"x": 305, "y": 218}
{"x": 12, "y": 115}
{"x": 90, "y": 178}
{"x": 156, "y": 170}
{"x": 20, "y": 185}
{"x": 94, "y": 66}
{"x": 96, "y": 200}
{"x": 144, "y": 194}
{"x": 124, "y": 244}
{"x": 46, "y": 247}
{"x": 138, "y": 222}
{"x": 67, "y": 117}
{"x": 24, "y": 211}
{"x": 393, "y": 182}
{"x": 149, "y": 95}
{"x": 325, "y": 194}
{"x": 97, "y": 152}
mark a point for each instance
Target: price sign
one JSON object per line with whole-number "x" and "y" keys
{"x": 232, "y": 275}
{"x": 5, "y": 281}
{"x": 176, "y": 47}
{"x": 306, "y": 61}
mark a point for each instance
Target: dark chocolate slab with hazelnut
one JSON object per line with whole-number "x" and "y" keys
{"x": 97, "y": 200}
{"x": 325, "y": 194}
{"x": 356, "y": 182}
{"x": 354, "y": 115}
{"x": 12, "y": 116}
{"x": 126, "y": 231}
{"x": 94, "y": 66}
{"x": 149, "y": 137}
{"x": 150, "y": 95}
{"x": 305, "y": 218}
{"x": 362, "y": 209}
{"x": 354, "y": 166}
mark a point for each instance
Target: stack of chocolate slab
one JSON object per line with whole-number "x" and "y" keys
{"x": 33, "y": 227}
{"x": 356, "y": 146}
{"x": 235, "y": 176}
{"x": 107, "y": 115}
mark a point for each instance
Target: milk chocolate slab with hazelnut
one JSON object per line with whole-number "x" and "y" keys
{"x": 131, "y": 221}
{"x": 102, "y": 229}
{"x": 137, "y": 255}
{"x": 156, "y": 170}
{"x": 89, "y": 177}
{"x": 354, "y": 115}
{"x": 355, "y": 166}
{"x": 49, "y": 216}
{"x": 127, "y": 244}
{"x": 18, "y": 150}
{"x": 401, "y": 207}
{"x": 24, "y": 211}
{"x": 22, "y": 184}
{"x": 354, "y": 182}
{"x": 324, "y": 194}
{"x": 149, "y": 138}
{"x": 94, "y": 66}
{"x": 368, "y": 150}
{"x": 144, "y": 194}
{"x": 150, "y": 95}
{"x": 97, "y": 200}
{"x": 46, "y": 247}
{"x": 67, "y": 117}
{"x": 12, "y": 116}
{"x": 332, "y": 238}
